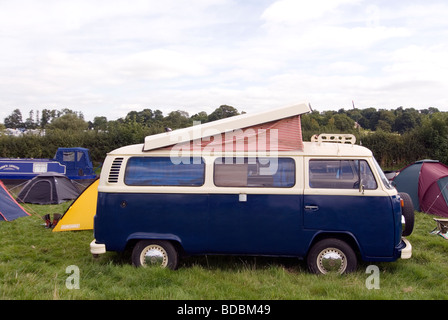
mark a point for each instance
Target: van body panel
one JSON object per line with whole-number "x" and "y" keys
{"x": 268, "y": 224}
{"x": 209, "y": 223}
{"x": 369, "y": 219}
{"x": 121, "y": 215}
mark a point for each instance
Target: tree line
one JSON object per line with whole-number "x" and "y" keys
{"x": 67, "y": 128}
{"x": 396, "y": 137}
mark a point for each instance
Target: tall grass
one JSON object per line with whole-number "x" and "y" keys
{"x": 34, "y": 261}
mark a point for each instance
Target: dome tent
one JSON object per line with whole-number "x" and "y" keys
{"x": 48, "y": 188}
{"x": 9, "y": 208}
{"x": 426, "y": 182}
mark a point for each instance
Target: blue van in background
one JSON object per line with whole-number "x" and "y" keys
{"x": 183, "y": 193}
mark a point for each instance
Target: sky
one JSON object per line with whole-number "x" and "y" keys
{"x": 110, "y": 57}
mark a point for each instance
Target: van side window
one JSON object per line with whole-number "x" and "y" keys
{"x": 161, "y": 171}
{"x": 254, "y": 172}
{"x": 340, "y": 174}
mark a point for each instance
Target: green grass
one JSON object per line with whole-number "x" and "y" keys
{"x": 33, "y": 262}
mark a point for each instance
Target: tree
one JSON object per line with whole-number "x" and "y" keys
{"x": 224, "y": 111}
{"x": 354, "y": 114}
{"x": 14, "y": 120}
{"x": 383, "y": 126}
{"x": 29, "y": 122}
{"x": 146, "y": 117}
{"x": 201, "y": 117}
{"x": 430, "y": 110}
{"x": 343, "y": 123}
{"x": 46, "y": 118}
{"x": 386, "y": 120}
{"x": 309, "y": 123}
{"x": 432, "y": 135}
{"x": 99, "y": 124}
{"x": 369, "y": 118}
{"x": 406, "y": 120}
{"x": 69, "y": 121}
{"x": 158, "y": 115}
{"x": 177, "y": 119}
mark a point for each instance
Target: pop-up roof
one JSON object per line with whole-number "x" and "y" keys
{"x": 276, "y": 129}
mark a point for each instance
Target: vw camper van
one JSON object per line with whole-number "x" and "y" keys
{"x": 249, "y": 185}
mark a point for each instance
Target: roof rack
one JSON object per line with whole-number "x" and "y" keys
{"x": 332, "y": 137}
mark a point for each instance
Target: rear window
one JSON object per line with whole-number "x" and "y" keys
{"x": 340, "y": 174}
{"x": 162, "y": 171}
{"x": 254, "y": 172}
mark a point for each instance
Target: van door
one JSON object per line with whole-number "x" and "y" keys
{"x": 257, "y": 211}
{"x": 335, "y": 203}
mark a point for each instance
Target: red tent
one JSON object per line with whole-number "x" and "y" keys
{"x": 433, "y": 188}
{"x": 426, "y": 182}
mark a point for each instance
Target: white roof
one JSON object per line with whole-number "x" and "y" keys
{"x": 221, "y": 126}
{"x": 329, "y": 149}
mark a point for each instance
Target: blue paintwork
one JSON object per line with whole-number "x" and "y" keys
{"x": 22, "y": 168}
{"x": 265, "y": 224}
{"x": 374, "y": 222}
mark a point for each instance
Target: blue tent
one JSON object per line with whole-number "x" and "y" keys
{"x": 9, "y": 208}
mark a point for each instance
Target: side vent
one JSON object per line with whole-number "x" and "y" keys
{"x": 115, "y": 170}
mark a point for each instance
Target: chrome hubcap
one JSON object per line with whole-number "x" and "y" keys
{"x": 154, "y": 255}
{"x": 331, "y": 260}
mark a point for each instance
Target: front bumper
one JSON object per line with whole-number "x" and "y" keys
{"x": 97, "y": 248}
{"x": 406, "y": 250}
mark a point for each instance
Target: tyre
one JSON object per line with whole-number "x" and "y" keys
{"x": 408, "y": 213}
{"x": 155, "y": 253}
{"x": 331, "y": 256}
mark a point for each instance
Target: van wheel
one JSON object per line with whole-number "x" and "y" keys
{"x": 331, "y": 256}
{"x": 155, "y": 253}
{"x": 408, "y": 214}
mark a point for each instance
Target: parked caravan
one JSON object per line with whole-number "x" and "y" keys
{"x": 249, "y": 185}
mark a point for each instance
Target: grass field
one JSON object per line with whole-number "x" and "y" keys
{"x": 36, "y": 263}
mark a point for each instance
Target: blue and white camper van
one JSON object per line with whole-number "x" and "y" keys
{"x": 248, "y": 185}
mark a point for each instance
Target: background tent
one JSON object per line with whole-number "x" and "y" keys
{"x": 9, "y": 208}
{"x": 426, "y": 182}
{"x": 48, "y": 188}
{"x": 79, "y": 216}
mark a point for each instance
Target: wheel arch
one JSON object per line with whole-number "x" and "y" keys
{"x": 137, "y": 236}
{"x": 347, "y": 237}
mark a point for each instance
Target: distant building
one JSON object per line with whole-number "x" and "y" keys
{"x": 20, "y": 132}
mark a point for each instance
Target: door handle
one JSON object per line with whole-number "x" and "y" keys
{"x": 311, "y": 208}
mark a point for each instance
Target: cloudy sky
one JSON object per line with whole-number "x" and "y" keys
{"x": 109, "y": 57}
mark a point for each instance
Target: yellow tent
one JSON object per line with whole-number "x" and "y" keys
{"x": 79, "y": 216}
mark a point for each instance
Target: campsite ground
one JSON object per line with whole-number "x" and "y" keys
{"x": 36, "y": 263}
